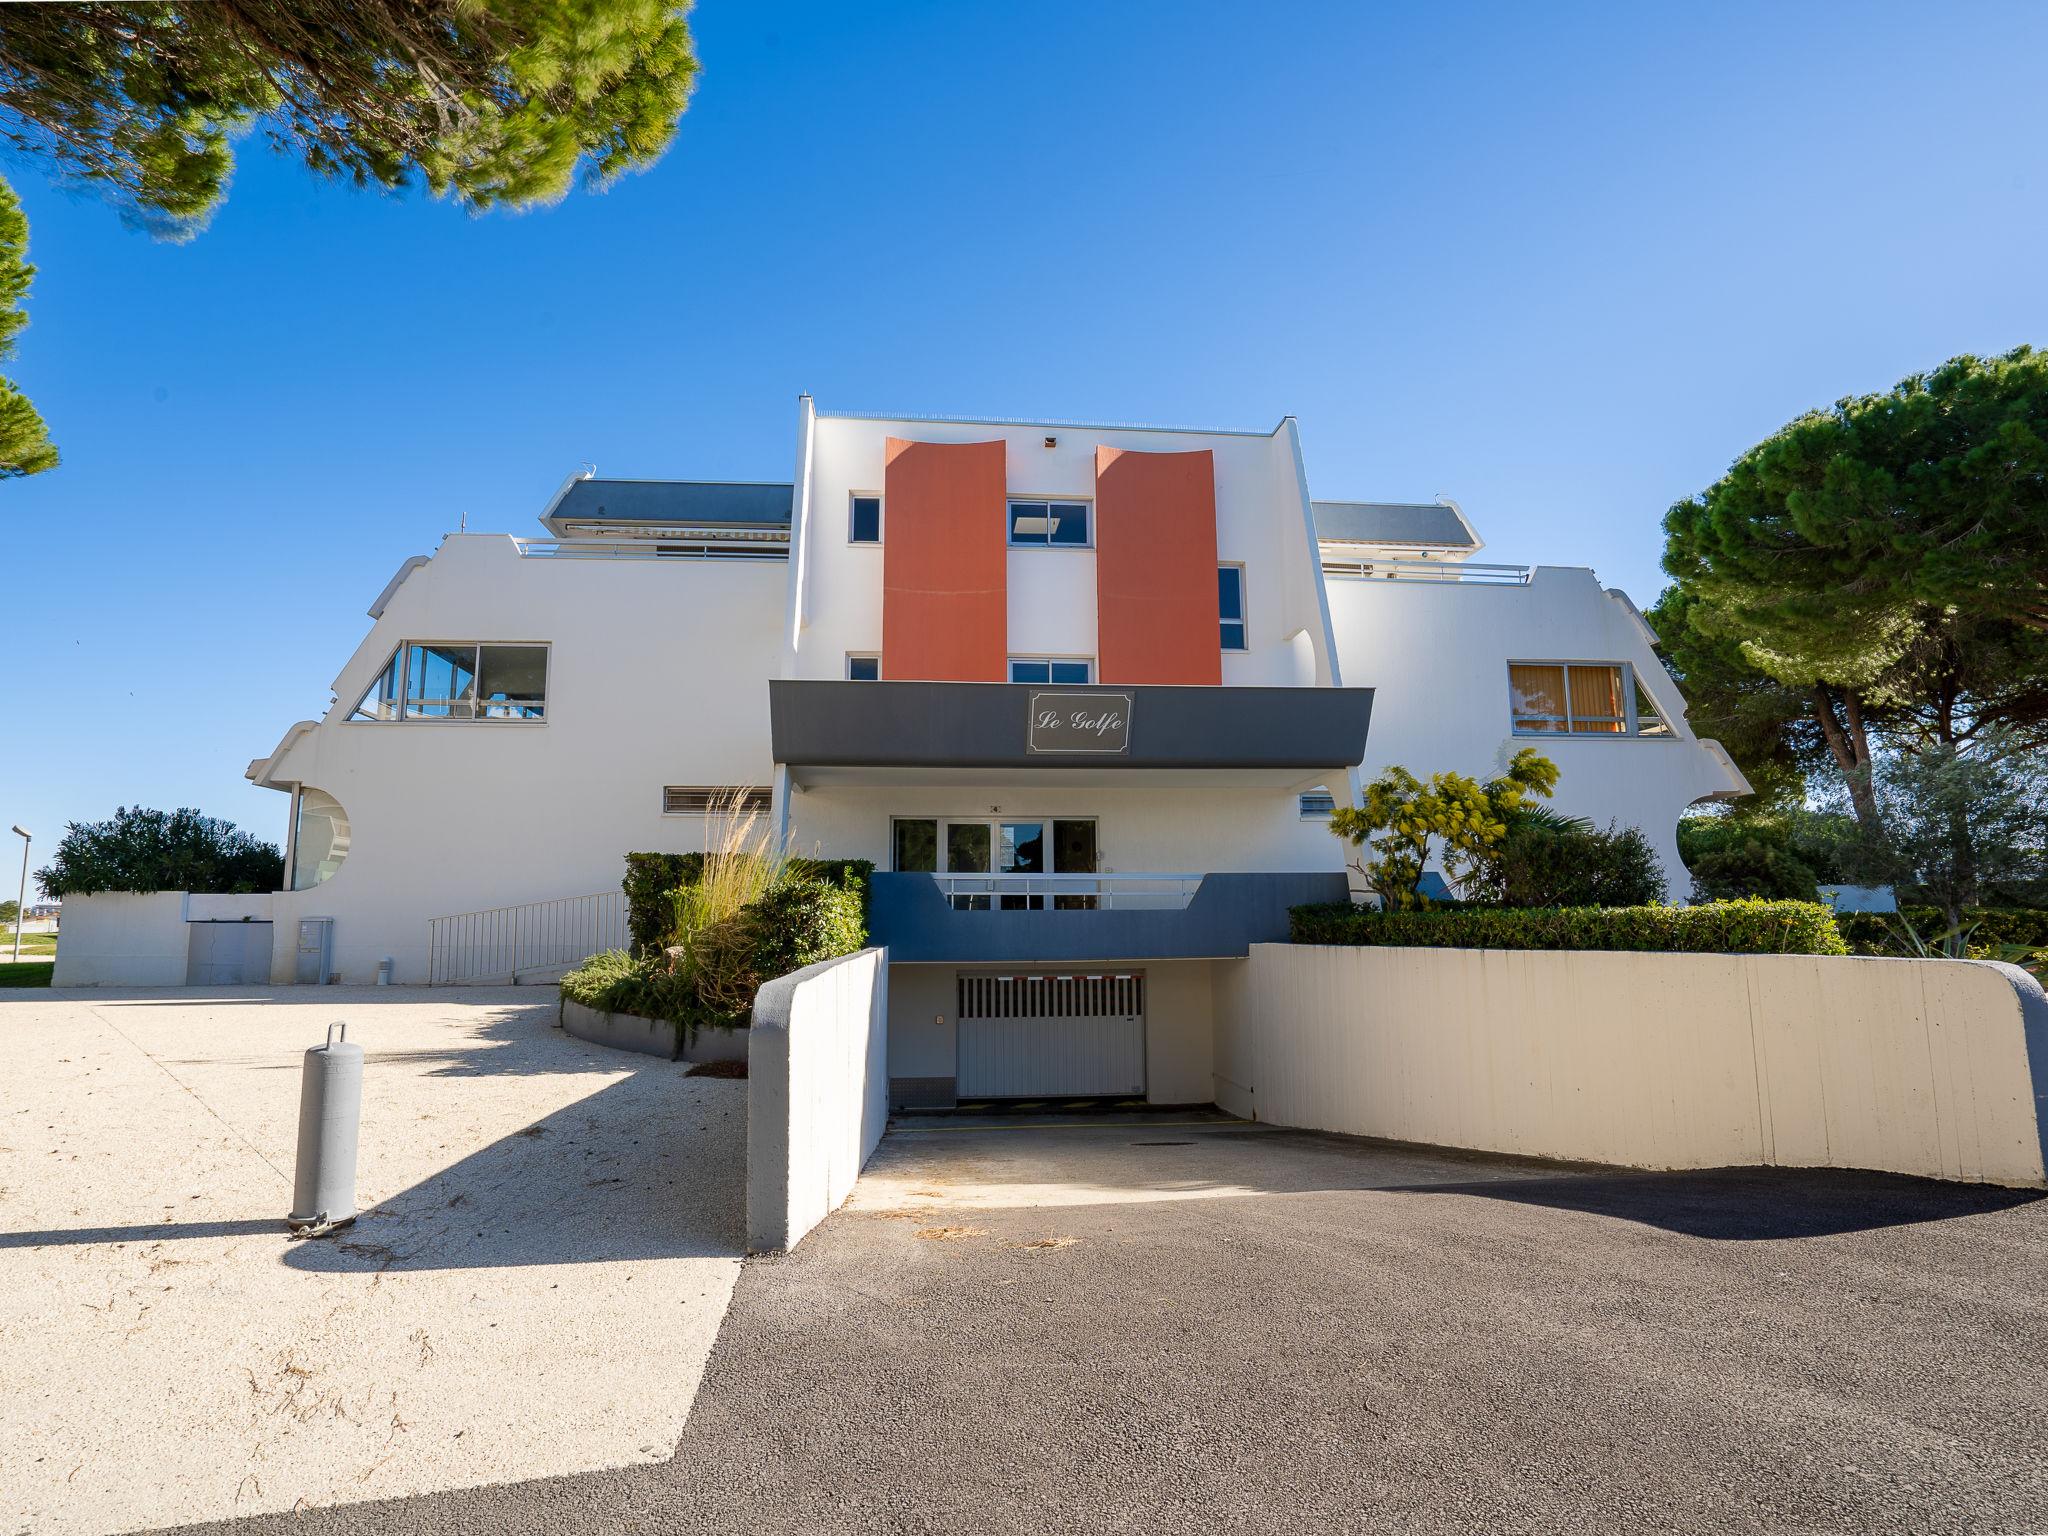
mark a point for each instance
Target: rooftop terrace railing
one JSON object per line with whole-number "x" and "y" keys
{"x": 647, "y": 549}
{"x": 1464, "y": 572}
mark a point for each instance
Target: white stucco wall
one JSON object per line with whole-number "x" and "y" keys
{"x": 817, "y": 1093}
{"x": 123, "y": 939}
{"x": 1260, "y": 510}
{"x": 657, "y": 675}
{"x": 1436, "y": 656}
{"x": 1927, "y": 1067}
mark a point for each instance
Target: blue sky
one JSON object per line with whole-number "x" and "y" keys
{"x": 1562, "y": 263}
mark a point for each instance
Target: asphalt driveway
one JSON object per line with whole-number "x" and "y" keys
{"x": 1167, "y": 1325}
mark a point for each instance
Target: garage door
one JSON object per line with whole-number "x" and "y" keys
{"x": 228, "y": 955}
{"x": 1032, "y": 1037}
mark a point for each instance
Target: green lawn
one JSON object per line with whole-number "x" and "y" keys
{"x": 31, "y": 943}
{"x": 26, "y": 973}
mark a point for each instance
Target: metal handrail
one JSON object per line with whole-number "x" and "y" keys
{"x": 1152, "y": 891}
{"x": 507, "y": 943}
{"x": 627, "y": 549}
{"x": 1464, "y": 571}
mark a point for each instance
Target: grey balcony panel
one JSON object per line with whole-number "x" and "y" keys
{"x": 830, "y": 724}
{"x": 1228, "y": 914}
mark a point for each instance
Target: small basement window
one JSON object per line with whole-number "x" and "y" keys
{"x": 1051, "y": 669}
{"x": 863, "y": 669}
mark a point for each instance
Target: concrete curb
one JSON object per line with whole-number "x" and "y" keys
{"x": 651, "y": 1037}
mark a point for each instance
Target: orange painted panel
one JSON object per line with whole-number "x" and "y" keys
{"x": 945, "y": 567}
{"x": 1155, "y": 568}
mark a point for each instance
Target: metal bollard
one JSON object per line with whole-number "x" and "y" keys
{"x": 330, "y": 1112}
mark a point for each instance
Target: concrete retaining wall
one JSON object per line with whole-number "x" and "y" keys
{"x": 651, "y": 1037}
{"x": 817, "y": 1093}
{"x": 1929, "y": 1067}
{"x": 123, "y": 939}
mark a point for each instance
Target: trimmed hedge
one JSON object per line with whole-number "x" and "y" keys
{"x": 1877, "y": 933}
{"x": 1747, "y": 927}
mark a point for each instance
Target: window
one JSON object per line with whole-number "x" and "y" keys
{"x": 998, "y": 846}
{"x": 865, "y": 521}
{"x": 1318, "y": 805}
{"x": 703, "y": 799}
{"x": 1579, "y": 698}
{"x": 863, "y": 669}
{"x": 1230, "y": 605}
{"x": 1051, "y": 669}
{"x": 1062, "y": 524}
{"x": 1648, "y": 721}
{"x": 319, "y": 838}
{"x": 458, "y": 680}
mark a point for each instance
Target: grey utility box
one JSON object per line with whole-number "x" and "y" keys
{"x": 316, "y": 952}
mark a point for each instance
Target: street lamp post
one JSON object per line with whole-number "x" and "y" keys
{"x": 21, "y": 901}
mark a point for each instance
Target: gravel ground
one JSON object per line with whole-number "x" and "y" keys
{"x": 1171, "y": 1326}
{"x": 551, "y": 1233}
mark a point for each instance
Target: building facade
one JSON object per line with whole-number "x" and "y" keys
{"x": 1085, "y": 696}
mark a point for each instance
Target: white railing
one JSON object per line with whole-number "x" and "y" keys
{"x": 1089, "y": 893}
{"x": 758, "y": 548}
{"x": 1464, "y": 571}
{"x": 511, "y": 943}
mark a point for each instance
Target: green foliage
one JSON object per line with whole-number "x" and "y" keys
{"x": 25, "y": 447}
{"x": 1717, "y": 928}
{"x": 799, "y": 921}
{"x": 487, "y": 102}
{"x": 1986, "y": 928}
{"x": 147, "y": 850}
{"x": 1768, "y": 727}
{"x": 1547, "y": 860}
{"x": 1732, "y": 856}
{"x": 650, "y": 883}
{"x": 10, "y": 909}
{"x": 1881, "y": 568}
{"x": 1955, "y": 818}
{"x": 1459, "y": 819}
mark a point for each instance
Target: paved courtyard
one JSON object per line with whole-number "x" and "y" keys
{"x": 1176, "y": 1325}
{"x": 551, "y": 1234}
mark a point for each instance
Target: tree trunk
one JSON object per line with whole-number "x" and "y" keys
{"x": 1850, "y": 747}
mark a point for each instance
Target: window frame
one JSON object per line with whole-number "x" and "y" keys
{"x": 994, "y": 823}
{"x": 401, "y": 656}
{"x": 853, "y": 656}
{"x": 881, "y": 518}
{"x": 1010, "y": 664}
{"x": 1243, "y": 621}
{"x": 1631, "y": 717}
{"x": 1010, "y": 539}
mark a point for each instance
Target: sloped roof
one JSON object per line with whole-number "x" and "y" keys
{"x": 1433, "y": 525}
{"x": 695, "y": 503}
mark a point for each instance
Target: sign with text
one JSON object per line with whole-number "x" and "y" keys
{"x": 1080, "y": 722}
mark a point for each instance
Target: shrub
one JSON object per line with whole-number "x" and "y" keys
{"x": 145, "y": 850}
{"x": 1746, "y": 927}
{"x": 1731, "y": 856}
{"x": 1456, "y": 819}
{"x": 1986, "y": 929}
{"x": 1549, "y": 861}
{"x": 650, "y": 910}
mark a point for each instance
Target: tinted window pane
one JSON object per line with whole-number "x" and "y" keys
{"x": 1229, "y": 592}
{"x": 1073, "y": 847}
{"x": 1023, "y": 847}
{"x": 967, "y": 847}
{"x": 867, "y": 519}
{"x": 441, "y": 682}
{"x": 1030, "y": 672}
{"x": 917, "y": 847}
{"x": 1029, "y": 522}
{"x": 380, "y": 700}
{"x": 864, "y": 669}
{"x": 1233, "y": 636}
{"x": 1069, "y": 672}
{"x": 512, "y": 682}
{"x": 1069, "y": 521}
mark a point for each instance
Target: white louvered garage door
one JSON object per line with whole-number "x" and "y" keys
{"x": 1034, "y": 1037}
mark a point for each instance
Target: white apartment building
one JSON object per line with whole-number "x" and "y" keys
{"x": 1084, "y": 695}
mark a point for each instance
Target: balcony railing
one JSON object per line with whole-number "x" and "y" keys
{"x": 757, "y": 547}
{"x": 1464, "y": 572}
{"x": 1068, "y": 893}
{"x": 990, "y": 919}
